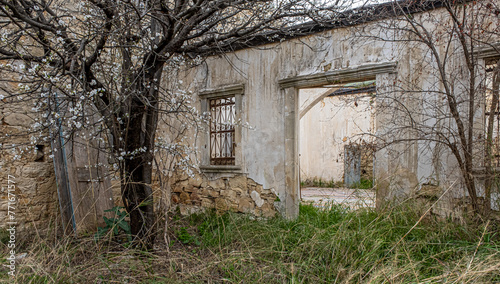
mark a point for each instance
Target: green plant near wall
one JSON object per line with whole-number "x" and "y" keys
{"x": 318, "y": 182}
{"x": 115, "y": 226}
{"x": 186, "y": 238}
{"x": 363, "y": 184}
{"x": 322, "y": 183}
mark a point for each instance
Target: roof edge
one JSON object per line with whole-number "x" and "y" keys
{"x": 348, "y": 18}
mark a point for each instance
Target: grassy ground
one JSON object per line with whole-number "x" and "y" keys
{"x": 362, "y": 184}
{"x": 330, "y": 246}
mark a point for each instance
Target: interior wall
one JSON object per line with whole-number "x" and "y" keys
{"x": 327, "y": 128}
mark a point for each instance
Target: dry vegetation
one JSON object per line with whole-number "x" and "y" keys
{"x": 321, "y": 246}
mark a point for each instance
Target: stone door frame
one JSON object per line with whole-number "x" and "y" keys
{"x": 290, "y": 92}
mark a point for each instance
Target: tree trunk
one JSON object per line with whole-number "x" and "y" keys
{"x": 137, "y": 193}
{"x": 136, "y": 182}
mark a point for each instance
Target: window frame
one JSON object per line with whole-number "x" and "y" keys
{"x": 222, "y": 130}
{"x": 487, "y": 73}
{"x": 205, "y": 96}
{"x": 484, "y": 54}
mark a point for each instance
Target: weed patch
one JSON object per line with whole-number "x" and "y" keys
{"x": 116, "y": 226}
{"x": 335, "y": 245}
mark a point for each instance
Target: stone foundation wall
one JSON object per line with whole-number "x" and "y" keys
{"x": 237, "y": 193}
{"x": 32, "y": 172}
{"x": 36, "y": 195}
{"x": 25, "y": 162}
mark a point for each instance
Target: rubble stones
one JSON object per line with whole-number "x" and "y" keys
{"x": 35, "y": 190}
{"x": 246, "y": 205}
{"x": 185, "y": 198}
{"x": 18, "y": 119}
{"x": 221, "y": 204}
{"x": 238, "y": 194}
{"x": 256, "y": 197}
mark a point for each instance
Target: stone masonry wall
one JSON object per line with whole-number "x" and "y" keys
{"x": 367, "y": 162}
{"x": 25, "y": 161}
{"x": 32, "y": 171}
{"x": 237, "y": 193}
{"x": 35, "y": 192}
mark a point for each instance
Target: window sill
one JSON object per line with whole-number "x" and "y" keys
{"x": 220, "y": 169}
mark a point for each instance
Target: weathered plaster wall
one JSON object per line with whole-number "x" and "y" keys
{"x": 264, "y": 103}
{"x": 269, "y": 146}
{"x": 262, "y": 157}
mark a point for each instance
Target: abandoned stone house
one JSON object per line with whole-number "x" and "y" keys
{"x": 312, "y": 107}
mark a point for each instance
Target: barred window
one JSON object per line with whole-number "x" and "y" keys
{"x": 222, "y": 118}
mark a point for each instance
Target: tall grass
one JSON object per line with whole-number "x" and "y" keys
{"x": 342, "y": 246}
{"x": 321, "y": 246}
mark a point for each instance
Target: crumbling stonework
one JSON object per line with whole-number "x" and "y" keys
{"x": 367, "y": 154}
{"x": 237, "y": 194}
{"x": 35, "y": 192}
{"x": 26, "y": 165}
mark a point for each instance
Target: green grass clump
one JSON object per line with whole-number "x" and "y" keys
{"x": 318, "y": 182}
{"x": 337, "y": 245}
{"x": 363, "y": 184}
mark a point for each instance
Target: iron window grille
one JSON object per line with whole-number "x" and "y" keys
{"x": 222, "y": 131}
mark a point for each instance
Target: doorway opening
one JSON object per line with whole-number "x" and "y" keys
{"x": 336, "y": 144}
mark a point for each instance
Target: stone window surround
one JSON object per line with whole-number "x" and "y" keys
{"x": 487, "y": 52}
{"x": 484, "y": 54}
{"x": 205, "y": 95}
